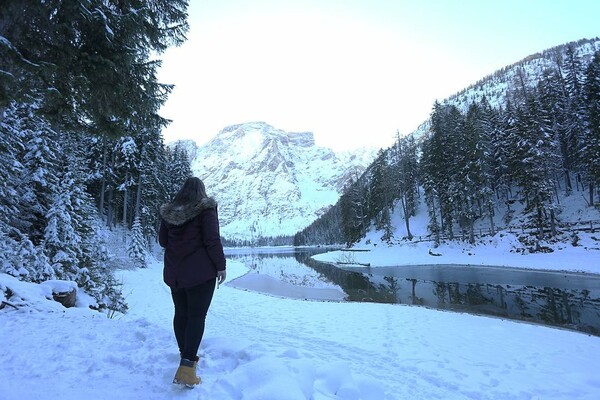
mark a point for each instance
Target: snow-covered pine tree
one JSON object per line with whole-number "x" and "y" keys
{"x": 62, "y": 242}
{"x": 127, "y": 155}
{"x": 39, "y": 178}
{"x": 490, "y": 121}
{"x": 136, "y": 244}
{"x": 151, "y": 182}
{"x": 11, "y": 146}
{"x": 470, "y": 178}
{"x": 353, "y": 211}
{"x": 506, "y": 155}
{"x": 441, "y": 161}
{"x": 591, "y": 151}
{"x": 538, "y": 158}
{"x": 431, "y": 165}
{"x": 554, "y": 98}
{"x": 575, "y": 110}
{"x": 18, "y": 255}
{"x": 454, "y": 160}
{"x": 380, "y": 198}
{"x": 178, "y": 168}
{"x": 405, "y": 173}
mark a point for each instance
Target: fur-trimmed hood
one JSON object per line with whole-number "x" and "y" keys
{"x": 178, "y": 215}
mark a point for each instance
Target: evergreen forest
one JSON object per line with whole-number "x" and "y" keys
{"x": 81, "y": 149}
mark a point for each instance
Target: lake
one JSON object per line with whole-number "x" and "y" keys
{"x": 559, "y": 299}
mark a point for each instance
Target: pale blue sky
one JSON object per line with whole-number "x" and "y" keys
{"x": 353, "y": 72}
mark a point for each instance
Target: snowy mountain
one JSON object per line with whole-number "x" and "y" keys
{"x": 269, "y": 182}
{"x": 504, "y": 83}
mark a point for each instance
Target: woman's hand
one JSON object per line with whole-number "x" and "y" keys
{"x": 221, "y": 275}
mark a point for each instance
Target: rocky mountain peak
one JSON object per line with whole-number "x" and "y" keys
{"x": 269, "y": 182}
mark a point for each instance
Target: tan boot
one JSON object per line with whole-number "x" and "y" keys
{"x": 186, "y": 373}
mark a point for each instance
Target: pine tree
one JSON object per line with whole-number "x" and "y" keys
{"x": 353, "y": 211}
{"x": 406, "y": 172}
{"x": 11, "y": 147}
{"x": 126, "y": 169}
{"x": 18, "y": 255}
{"x": 178, "y": 168}
{"x": 136, "y": 244}
{"x": 538, "y": 157}
{"x": 441, "y": 161}
{"x": 39, "y": 174}
{"x": 61, "y": 240}
{"x": 591, "y": 151}
{"x": 454, "y": 161}
{"x": 575, "y": 113}
{"x": 470, "y": 177}
{"x": 500, "y": 173}
{"x": 490, "y": 125}
{"x": 380, "y": 199}
{"x": 148, "y": 193}
{"x": 92, "y": 59}
{"x": 431, "y": 149}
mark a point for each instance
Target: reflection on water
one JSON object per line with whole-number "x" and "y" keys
{"x": 280, "y": 274}
{"x": 559, "y": 299}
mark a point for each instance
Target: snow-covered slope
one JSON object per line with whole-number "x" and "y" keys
{"x": 499, "y": 85}
{"x": 269, "y": 182}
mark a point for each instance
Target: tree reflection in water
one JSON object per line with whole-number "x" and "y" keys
{"x": 563, "y": 300}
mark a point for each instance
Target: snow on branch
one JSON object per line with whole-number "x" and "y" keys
{"x": 7, "y": 43}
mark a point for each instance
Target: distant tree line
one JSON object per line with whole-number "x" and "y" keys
{"x": 80, "y": 136}
{"x": 544, "y": 139}
{"x": 260, "y": 241}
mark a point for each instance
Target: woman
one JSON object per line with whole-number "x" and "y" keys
{"x": 194, "y": 262}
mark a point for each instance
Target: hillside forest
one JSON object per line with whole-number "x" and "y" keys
{"x": 476, "y": 159}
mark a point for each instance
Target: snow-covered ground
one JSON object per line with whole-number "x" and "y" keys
{"x": 579, "y": 253}
{"x": 265, "y": 347}
{"x": 502, "y": 250}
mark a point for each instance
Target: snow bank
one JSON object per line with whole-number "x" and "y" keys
{"x": 503, "y": 250}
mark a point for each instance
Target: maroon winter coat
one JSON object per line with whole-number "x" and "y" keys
{"x": 193, "y": 249}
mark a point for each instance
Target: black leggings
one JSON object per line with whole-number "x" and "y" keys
{"x": 191, "y": 306}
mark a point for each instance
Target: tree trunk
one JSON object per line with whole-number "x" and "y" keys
{"x": 552, "y": 223}
{"x": 406, "y": 218}
{"x": 138, "y": 197}
{"x": 109, "y": 211}
{"x": 111, "y": 197}
{"x": 568, "y": 184}
{"x": 472, "y": 231}
{"x": 591, "y": 194}
{"x": 125, "y": 200}
{"x": 540, "y": 224}
{"x": 434, "y": 218}
{"x": 491, "y": 214}
{"x": 103, "y": 184}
